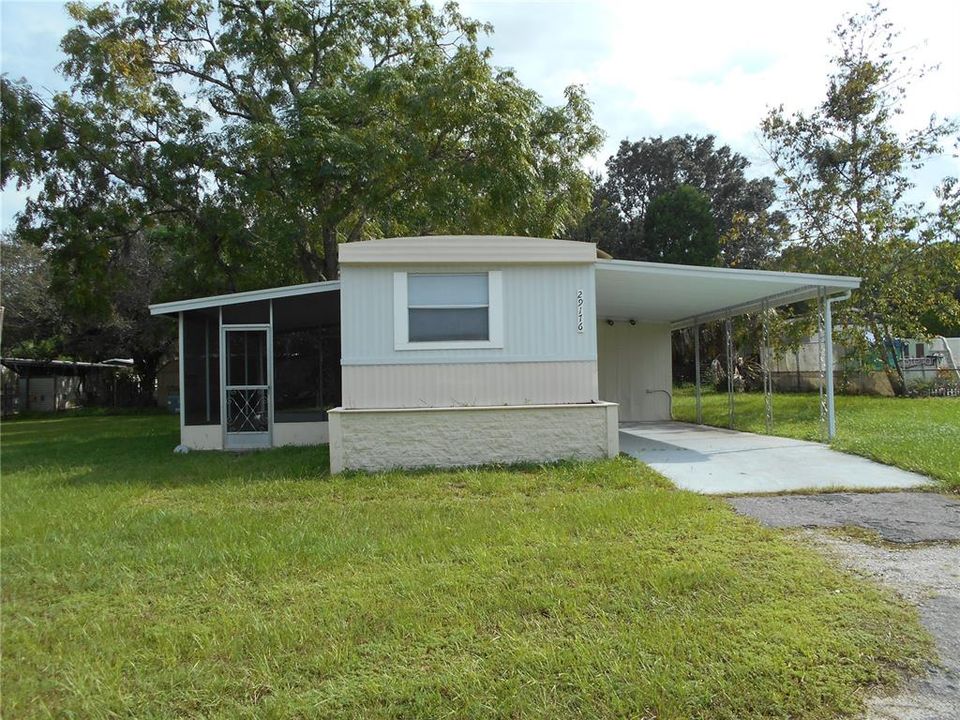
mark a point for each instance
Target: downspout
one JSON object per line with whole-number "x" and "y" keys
{"x": 831, "y": 411}
{"x": 953, "y": 362}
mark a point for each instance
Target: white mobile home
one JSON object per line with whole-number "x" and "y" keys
{"x": 455, "y": 350}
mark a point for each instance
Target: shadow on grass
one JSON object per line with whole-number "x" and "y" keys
{"x": 137, "y": 449}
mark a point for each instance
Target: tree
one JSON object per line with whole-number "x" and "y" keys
{"x": 643, "y": 170}
{"x": 125, "y": 328}
{"x": 844, "y": 170}
{"x": 38, "y": 323}
{"x": 753, "y": 238}
{"x": 31, "y": 320}
{"x": 258, "y": 135}
{"x": 679, "y": 228}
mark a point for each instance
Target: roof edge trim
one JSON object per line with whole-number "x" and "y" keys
{"x": 638, "y": 266}
{"x": 171, "y": 308}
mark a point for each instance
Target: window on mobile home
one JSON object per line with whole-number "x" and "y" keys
{"x": 448, "y": 307}
{"x": 448, "y": 310}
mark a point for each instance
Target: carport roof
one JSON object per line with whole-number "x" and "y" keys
{"x": 683, "y": 295}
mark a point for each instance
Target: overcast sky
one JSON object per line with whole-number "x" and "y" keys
{"x": 650, "y": 68}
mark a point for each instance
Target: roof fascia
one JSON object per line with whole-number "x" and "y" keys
{"x": 170, "y": 308}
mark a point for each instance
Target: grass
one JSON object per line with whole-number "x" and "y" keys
{"x": 918, "y": 434}
{"x": 139, "y": 583}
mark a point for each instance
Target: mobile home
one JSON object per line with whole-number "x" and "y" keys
{"x": 454, "y": 350}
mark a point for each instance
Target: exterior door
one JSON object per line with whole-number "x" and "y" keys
{"x": 248, "y": 361}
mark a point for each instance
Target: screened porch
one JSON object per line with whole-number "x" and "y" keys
{"x": 258, "y": 369}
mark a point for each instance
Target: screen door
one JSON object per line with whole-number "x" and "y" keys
{"x": 247, "y": 389}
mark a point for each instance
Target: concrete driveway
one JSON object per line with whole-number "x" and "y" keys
{"x": 715, "y": 461}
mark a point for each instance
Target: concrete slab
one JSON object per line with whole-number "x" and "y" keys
{"x": 723, "y": 462}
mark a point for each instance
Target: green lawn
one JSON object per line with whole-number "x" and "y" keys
{"x": 919, "y": 434}
{"x": 139, "y": 583}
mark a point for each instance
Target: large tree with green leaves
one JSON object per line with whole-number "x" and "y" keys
{"x": 679, "y": 228}
{"x": 846, "y": 175}
{"x": 750, "y": 229}
{"x": 40, "y": 322}
{"x": 31, "y": 322}
{"x": 257, "y": 135}
{"x": 237, "y": 143}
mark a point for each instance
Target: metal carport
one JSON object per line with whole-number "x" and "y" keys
{"x": 683, "y": 296}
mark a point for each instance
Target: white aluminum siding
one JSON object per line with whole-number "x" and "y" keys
{"x": 539, "y": 316}
{"x": 634, "y": 369}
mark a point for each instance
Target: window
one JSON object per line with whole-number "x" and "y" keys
{"x": 920, "y": 350}
{"x": 445, "y": 310}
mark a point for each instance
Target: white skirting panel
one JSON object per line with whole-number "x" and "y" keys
{"x": 449, "y": 437}
{"x": 210, "y": 437}
{"x": 472, "y": 384}
{"x": 202, "y": 437}
{"x": 301, "y": 433}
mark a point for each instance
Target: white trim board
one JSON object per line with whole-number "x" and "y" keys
{"x": 697, "y": 271}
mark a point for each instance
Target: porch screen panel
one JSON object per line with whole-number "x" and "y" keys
{"x": 306, "y": 371}
{"x": 257, "y": 312}
{"x": 201, "y": 368}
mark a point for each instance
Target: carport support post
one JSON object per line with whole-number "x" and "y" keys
{"x": 765, "y": 369}
{"x": 696, "y": 371}
{"x": 828, "y": 331}
{"x": 828, "y": 351}
{"x": 828, "y": 322}
{"x": 728, "y": 326}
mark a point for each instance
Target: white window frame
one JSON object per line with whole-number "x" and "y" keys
{"x": 401, "y": 324}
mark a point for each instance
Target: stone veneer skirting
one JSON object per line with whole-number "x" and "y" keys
{"x": 381, "y": 439}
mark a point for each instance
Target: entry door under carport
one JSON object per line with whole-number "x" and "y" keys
{"x": 247, "y": 390}
{"x": 634, "y": 369}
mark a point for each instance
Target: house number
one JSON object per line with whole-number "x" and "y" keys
{"x": 580, "y": 311}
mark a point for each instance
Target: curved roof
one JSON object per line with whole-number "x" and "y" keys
{"x": 457, "y": 249}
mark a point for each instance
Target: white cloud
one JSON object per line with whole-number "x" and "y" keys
{"x": 666, "y": 68}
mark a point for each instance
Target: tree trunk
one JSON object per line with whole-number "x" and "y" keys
{"x": 331, "y": 262}
{"x": 895, "y": 372}
{"x": 148, "y": 368}
{"x": 309, "y": 264}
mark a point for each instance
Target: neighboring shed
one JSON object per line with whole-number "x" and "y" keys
{"x": 923, "y": 361}
{"x": 51, "y": 385}
{"x": 456, "y": 350}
